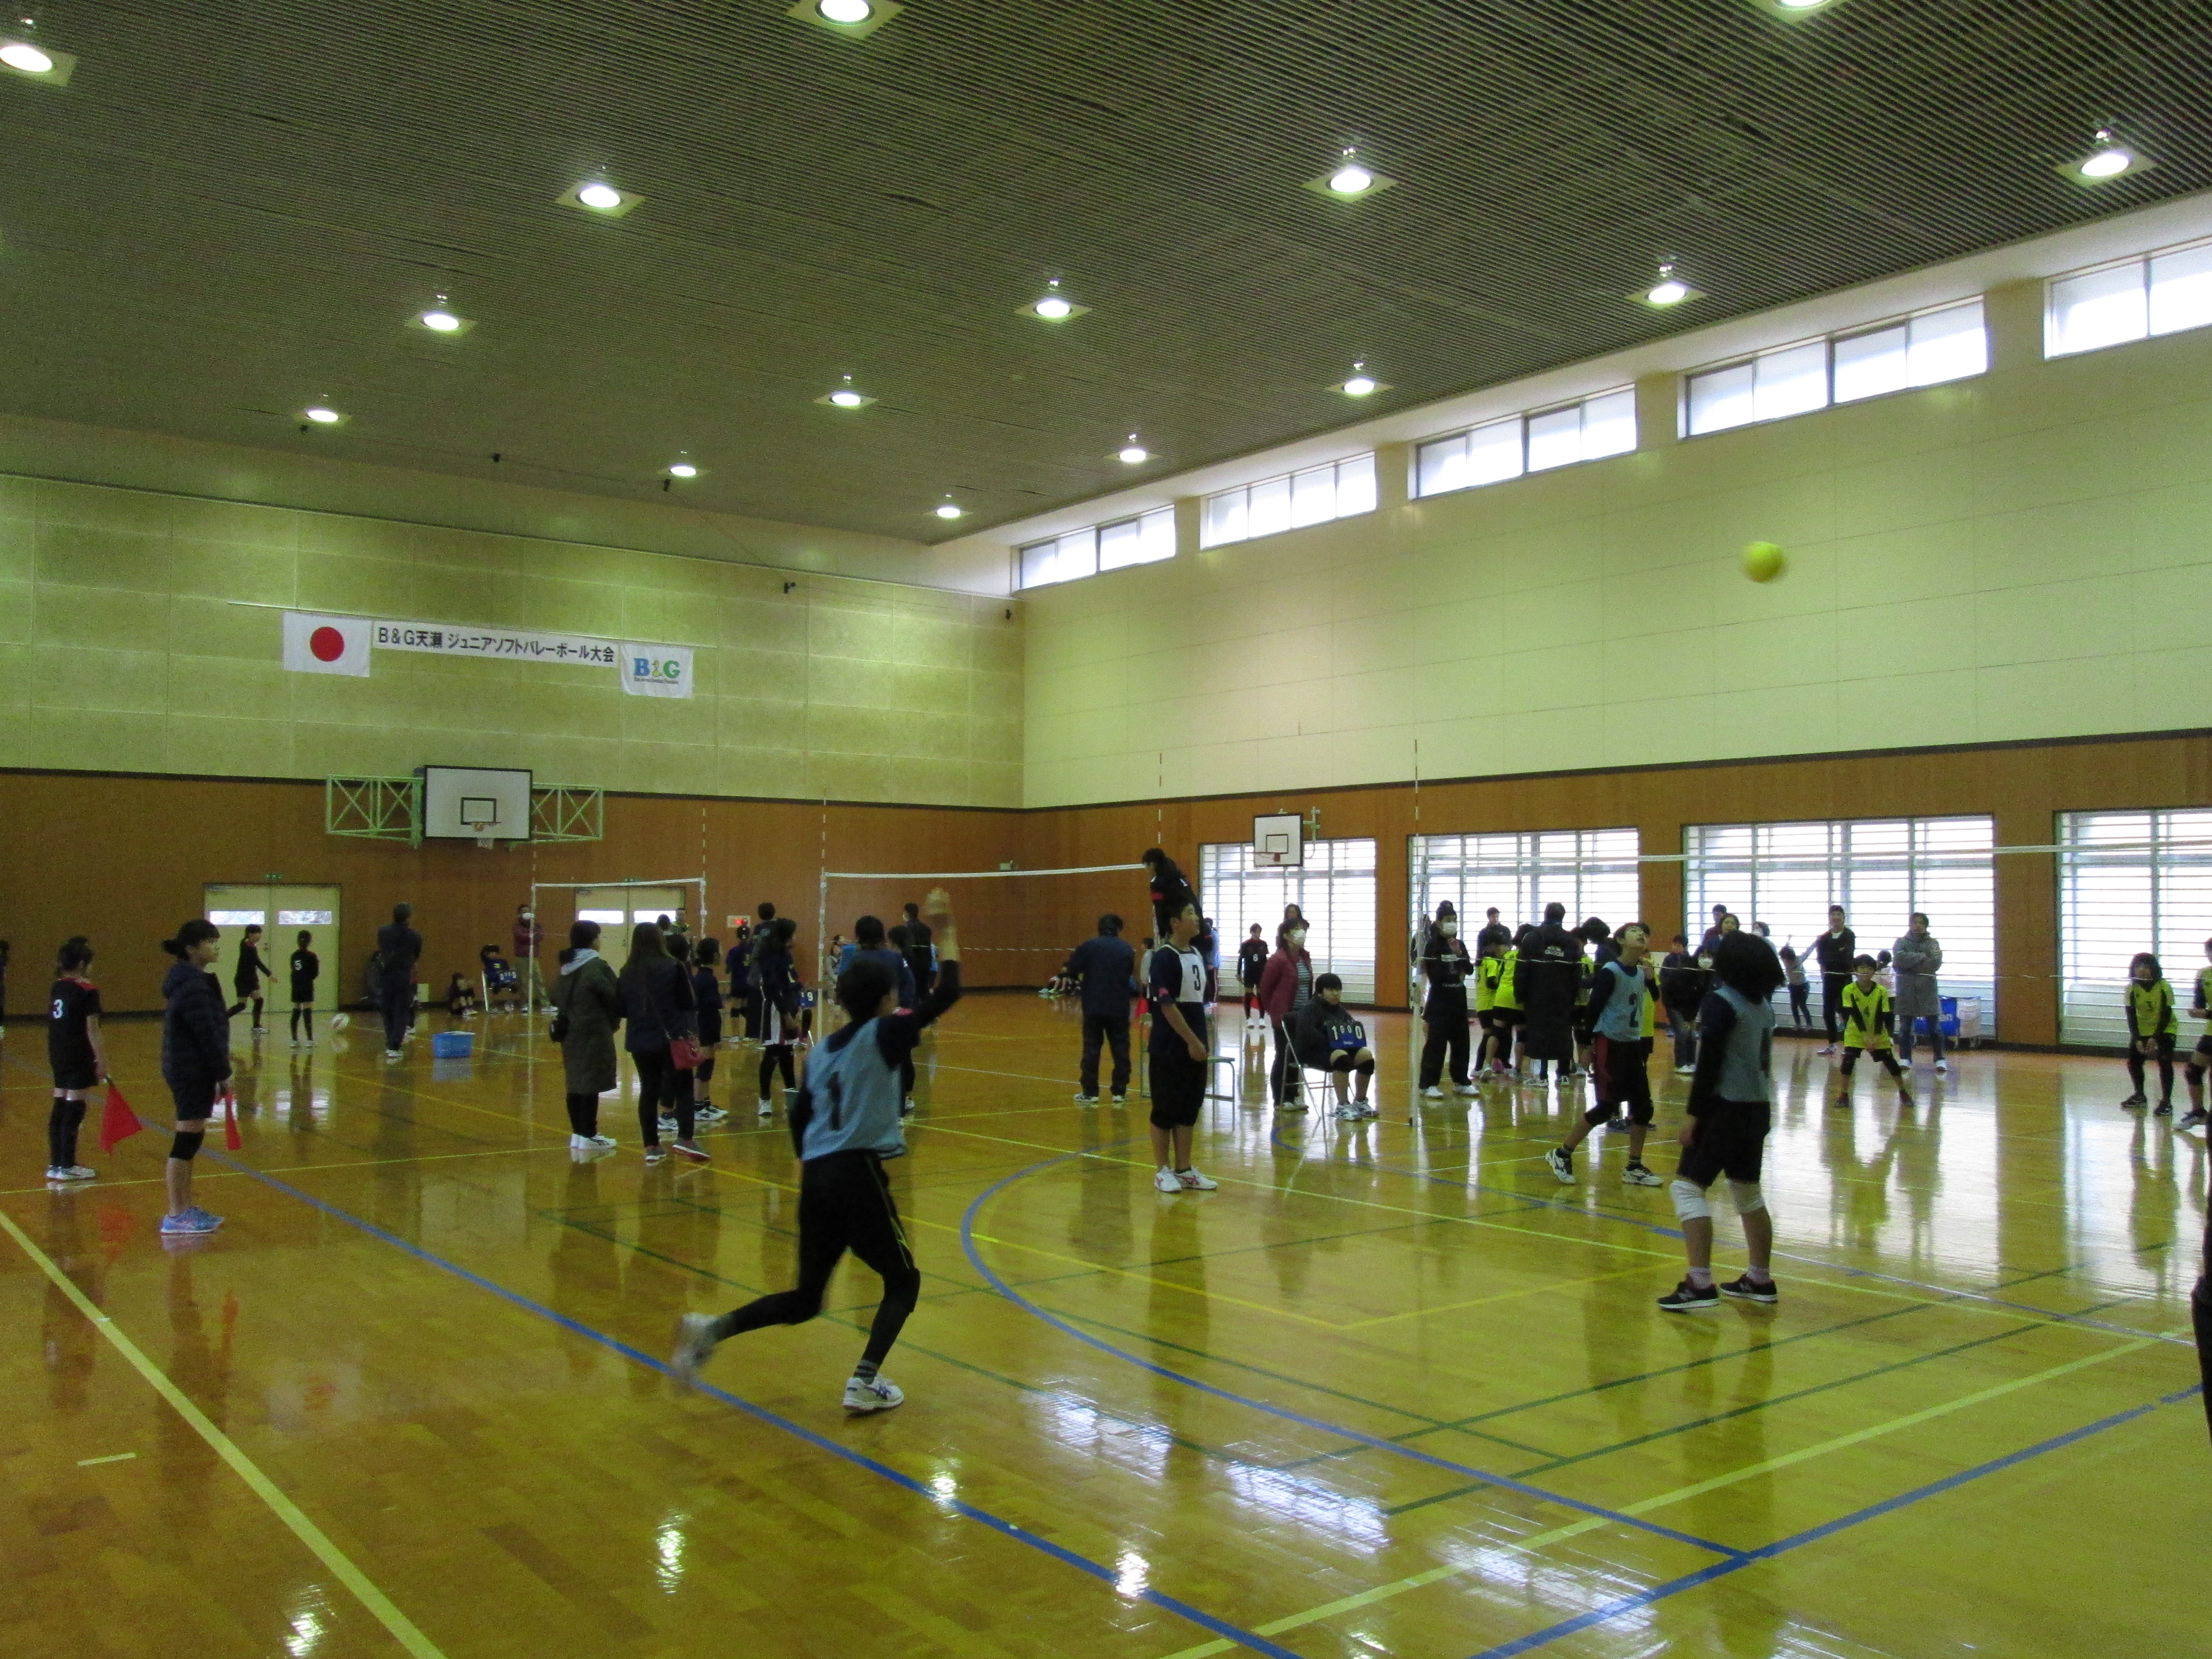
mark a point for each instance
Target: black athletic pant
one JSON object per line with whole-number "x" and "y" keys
{"x": 1447, "y": 1027}
{"x": 62, "y": 1125}
{"x": 659, "y": 1083}
{"x": 2200, "y": 1312}
{"x": 1285, "y": 1078}
{"x": 2165, "y": 1068}
{"x": 304, "y": 1017}
{"x": 777, "y": 1056}
{"x": 844, "y": 1204}
{"x": 1109, "y": 1030}
{"x": 399, "y": 1011}
{"x": 1801, "y": 1005}
{"x": 1832, "y": 1004}
{"x": 583, "y": 1114}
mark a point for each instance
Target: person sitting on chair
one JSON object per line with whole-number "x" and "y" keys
{"x": 1325, "y": 1035}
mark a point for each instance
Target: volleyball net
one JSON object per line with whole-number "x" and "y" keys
{"x": 1015, "y": 926}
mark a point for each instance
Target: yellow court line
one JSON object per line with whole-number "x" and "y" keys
{"x": 295, "y": 1169}
{"x": 318, "y": 1543}
{"x": 1680, "y": 1494}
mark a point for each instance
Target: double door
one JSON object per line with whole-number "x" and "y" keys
{"x": 618, "y": 909}
{"x": 283, "y": 911}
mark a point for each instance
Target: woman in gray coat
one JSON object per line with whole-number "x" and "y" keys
{"x": 1915, "y": 959}
{"x": 587, "y": 1005}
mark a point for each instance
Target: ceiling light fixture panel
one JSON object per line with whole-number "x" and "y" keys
{"x": 845, "y": 395}
{"x": 441, "y": 319}
{"x": 1359, "y": 382}
{"x": 1349, "y": 180}
{"x": 599, "y": 198}
{"x": 323, "y": 414}
{"x": 1667, "y": 292}
{"x": 1052, "y": 306}
{"x": 948, "y": 510}
{"x": 2108, "y": 158}
{"x": 34, "y": 61}
{"x": 856, "y": 20}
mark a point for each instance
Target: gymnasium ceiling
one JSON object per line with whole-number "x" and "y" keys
{"x": 232, "y": 211}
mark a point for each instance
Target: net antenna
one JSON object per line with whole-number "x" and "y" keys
{"x": 530, "y": 985}
{"x": 825, "y": 970}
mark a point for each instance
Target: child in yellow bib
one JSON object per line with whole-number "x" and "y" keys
{"x": 2151, "y": 1031}
{"x": 1866, "y": 1026}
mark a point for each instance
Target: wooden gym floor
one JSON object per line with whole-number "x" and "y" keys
{"x": 1391, "y": 1390}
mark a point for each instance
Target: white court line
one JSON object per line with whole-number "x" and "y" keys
{"x": 112, "y": 1457}
{"x": 318, "y": 1542}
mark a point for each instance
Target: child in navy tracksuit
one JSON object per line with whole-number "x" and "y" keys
{"x": 844, "y": 1125}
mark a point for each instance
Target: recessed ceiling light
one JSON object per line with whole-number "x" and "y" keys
{"x": 682, "y": 469}
{"x": 596, "y": 196}
{"x": 1668, "y": 290}
{"x": 856, "y": 20}
{"x": 1350, "y": 179}
{"x": 846, "y": 395}
{"x": 1052, "y": 306}
{"x": 1133, "y": 453}
{"x": 2108, "y": 158}
{"x": 1359, "y": 382}
{"x": 948, "y": 509}
{"x": 36, "y": 62}
{"x": 441, "y": 318}
{"x": 323, "y": 414}
{"x": 1802, "y": 5}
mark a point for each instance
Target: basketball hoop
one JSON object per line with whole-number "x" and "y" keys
{"x": 482, "y": 830}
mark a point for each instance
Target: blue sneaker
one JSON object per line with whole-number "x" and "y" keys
{"x": 208, "y": 1223}
{"x": 186, "y": 1225}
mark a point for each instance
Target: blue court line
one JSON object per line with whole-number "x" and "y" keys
{"x": 1642, "y": 1599}
{"x": 1412, "y": 1453}
{"x": 1005, "y": 1529}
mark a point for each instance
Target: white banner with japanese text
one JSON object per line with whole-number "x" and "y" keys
{"x": 645, "y": 671}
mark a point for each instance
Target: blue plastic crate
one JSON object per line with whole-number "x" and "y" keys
{"x": 454, "y": 1045}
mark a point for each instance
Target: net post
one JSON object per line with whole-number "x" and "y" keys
{"x": 821, "y": 927}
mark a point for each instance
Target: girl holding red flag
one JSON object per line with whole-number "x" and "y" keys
{"x": 77, "y": 1056}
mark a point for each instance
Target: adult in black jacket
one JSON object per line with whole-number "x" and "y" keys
{"x": 1546, "y": 978}
{"x": 2200, "y": 1305}
{"x": 1494, "y": 932}
{"x": 1108, "y": 967}
{"x": 1171, "y": 888}
{"x": 921, "y": 960}
{"x": 1834, "y": 951}
{"x": 1445, "y": 966}
{"x": 398, "y": 948}
{"x": 195, "y": 1064}
{"x": 658, "y": 1006}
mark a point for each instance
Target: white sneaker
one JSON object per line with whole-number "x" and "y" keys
{"x": 261, "y": 1030}
{"x": 1347, "y": 1114}
{"x": 1463, "y": 1088}
{"x": 1560, "y": 1164}
{"x": 708, "y": 1114}
{"x": 1432, "y": 1093}
{"x": 1163, "y": 1180}
{"x": 1192, "y": 1180}
{"x": 667, "y": 1125}
{"x": 1365, "y": 1111}
{"x": 593, "y": 1143}
{"x": 1943, "y": 1064}
{"x": 1637, "y": 1175}
{"x": 655, "y": 1154}
{"x": 1686, "y": 1071}
{"x": 391, "y": 1054}
{"x": 766, "y": 1107}
{"x": 1082, "y": 1099}
{"x": 72, "y": 1172}
{"x": 693, "y": 1345}
{"x": 875, "y": 1393}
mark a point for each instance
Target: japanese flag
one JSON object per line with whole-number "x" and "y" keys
{"x": 326, "y": 645}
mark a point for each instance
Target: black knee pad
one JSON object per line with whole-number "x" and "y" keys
{"x": 187, "y": 1146}
{"x": 2193, "y": 1070}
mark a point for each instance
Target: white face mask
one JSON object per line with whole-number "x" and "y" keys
{"x": 1448, "y": 929}
{"x": 1298, "y": 937}
{"x": 530, "y": 916}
